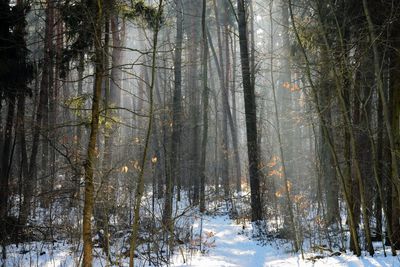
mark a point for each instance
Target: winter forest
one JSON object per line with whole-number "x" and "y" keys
{"x": 199, "y": 133}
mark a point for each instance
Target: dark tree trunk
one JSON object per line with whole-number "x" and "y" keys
{"x": 251, "y": 116}
{"x": 194, "y": 100}
{"x": 28, "y": 182}
{"x": 47, "y": 87}
{"x": 6, "y": 157}
{"x": 172, "y": 175}
{"x": 327, "y": 166}
{"x": 205, "y": 109}
{"x": 395, "y": 108}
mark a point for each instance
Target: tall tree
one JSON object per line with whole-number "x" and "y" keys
{"x": 251, "y": 115}
{"x": 205, "y": 108}
{"x": 94, "y": 128}
{"x": 193, "y": 14}
{"x": 173, "y": 176}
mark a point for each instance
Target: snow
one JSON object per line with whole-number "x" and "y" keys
{"x": 223, "y": 243}
{"x": 234, "y": 247}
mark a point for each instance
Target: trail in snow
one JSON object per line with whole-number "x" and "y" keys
{"x": 231, "y": 247}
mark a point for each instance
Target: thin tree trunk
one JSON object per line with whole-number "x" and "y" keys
{"x": 53, "y": 99}
{"x": 234, "y": 118}
{"x": 205, "y": 109}
{"x": 79, "y": 141}
{"x": 91, "y": 148}
{"x": 216, "y": 144}
{"x": 231, "y": 120}
{"x": 140, "y": 182}
{"x": 28, "y": 182}
{"x": 227, "y": 116}
{"x": 48, "y": 89}
{"x": 104, "y": 204}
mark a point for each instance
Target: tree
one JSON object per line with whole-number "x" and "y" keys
{"x": 94, "y": 128}
{"x": 156, "y": 23}
{"x": 205, "y": 107}
{"x": 251, "y": 117}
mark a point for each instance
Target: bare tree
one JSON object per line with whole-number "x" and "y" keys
{"x": 251, "y": 117}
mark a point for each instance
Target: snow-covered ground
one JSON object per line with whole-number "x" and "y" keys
{"x": 231, "y": 246}
{"x": 224, "y": 243}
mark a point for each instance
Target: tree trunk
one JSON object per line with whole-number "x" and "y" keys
{"x": 251, "y": 116}
{"x": 327, "y": 167}
{"x": 205, "y": 109}
{"x": 103, "y": 206}
{"x": 78, "y": 141}
{"x": 172, "y": 175}
{"x": 395, "y": 108}
{"x": 234, "y": 118}
{"x": 91, "y": 148}
{"x": 231, "y": 120}
{"x": 28, "y": 182}
{"x": 194, "y": 101}
{"x": 140, "y": 182}
{"x": 48, "y": 86}
{"x": 6, "y": 157}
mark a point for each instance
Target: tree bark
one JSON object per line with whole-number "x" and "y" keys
{"x": 234, "y": 122}
{"x": 6, "y": 157}
{"x": 172, "y": 175}
{"x": 91, "y": 148}
{"x": 251, "y": 116}
{"x": 28, "y": 182}
{"x": 194, "y": 100}
{"x": 205, "y": 109}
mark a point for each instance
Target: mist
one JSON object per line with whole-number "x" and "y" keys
{"x": 161, "y": 132}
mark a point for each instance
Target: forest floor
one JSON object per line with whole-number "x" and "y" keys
{"x": 224, "y": 243}
{"x": 231, "y": 245}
